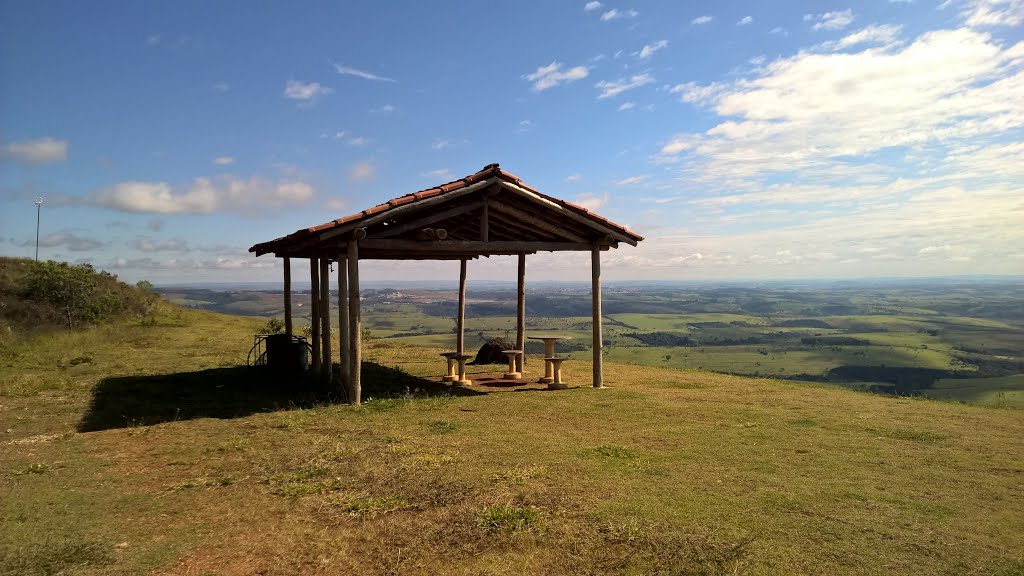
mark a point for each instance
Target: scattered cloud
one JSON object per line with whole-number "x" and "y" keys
{"x": 592, "y": 5}
{"x": 221, "y": 87}
{"x": 591, "y": 201}
{"x": 306, "y": 94}
{"x": 384, "y": 109}
{"x": 202, "y": 196}
{"x": 627, "y": 106}
{"x": 362, "y": 171}
{"x": 440, "y": 143}
{"x": 357, "y": 141}
{"x": 224, "y": 160}
{"x": 147, "y": 244}
{"x": 552, "y": 75}
{"x": 616, "y": 14}
{"x": 699, "y": 20}
{"x": 779, "y": 30}
{"x": 612, "y": 89}
{"x": 178, "y": 42}
{"x": 836, "y": 20}
{"x": 38, "y": 151}
{"x": 349, "y": 71}
{"x": 439, "y": 174}
{"x": 881, "y": 35}
{"x": 648, "y": 50}
{"x": 632, "y": 180}
{"x": 155, "y": 224}
{"x": 524, "y": 126}
{"x": 67, "y": 240}
{"x": 990, "y": 13}
{"x": 574, "y": 177}
{"x": 335, "y": 204}
{"x": 745, "y": 20}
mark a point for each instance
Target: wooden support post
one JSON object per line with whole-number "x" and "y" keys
{"x": 314, "y": 313}
{"x": 354, "y": 326}
{"x": 327, "y": 372}
{"x": 521, "y": 314}
{"x": 344, "y": 343}
{"x": 460, "y": 324}
{"x": 595, "y": 289}
{"x": 288, "y": 296}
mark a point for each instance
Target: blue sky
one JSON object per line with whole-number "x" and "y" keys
{"x": 744, "y": 140}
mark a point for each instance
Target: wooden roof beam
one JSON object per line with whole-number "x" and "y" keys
{"x": 570, "y": 214}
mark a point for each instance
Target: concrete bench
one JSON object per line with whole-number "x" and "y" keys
{"x": 450, "y": 376}
{"x": 556, "y": 378}
{"x": 461, "y": 377}
{"x": 512, "y": 374}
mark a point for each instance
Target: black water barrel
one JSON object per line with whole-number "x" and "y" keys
{"x": 285, "y": 354}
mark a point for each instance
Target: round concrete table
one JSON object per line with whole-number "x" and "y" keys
{"x": 549, "y": 352}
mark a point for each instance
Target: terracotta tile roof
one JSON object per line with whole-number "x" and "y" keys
{"x": 489, "y": 171}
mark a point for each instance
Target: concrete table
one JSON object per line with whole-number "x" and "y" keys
{"x": 549, "y": 352}
{"x": 450, "y": 376}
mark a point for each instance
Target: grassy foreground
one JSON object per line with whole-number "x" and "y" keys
{"x": 191, "y": 465}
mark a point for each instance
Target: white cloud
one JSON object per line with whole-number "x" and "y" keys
{"x": 648, "y": 50}
{"x": 574, "y": 177}
{"x": 202, "y": 196}
{"x": 810, "y": 109}
{"x": 440, "y": 144}
{"x": 591, "y": 6}
{"x": 981, "y": 13}
{"x": 439, "y": 174}
{"x": 335, "y": 204}
{"x": 552, "y": 75}
{"x": 349, "y": 71}
{"x": 147, "y": 244}
{"x": 221, "y": 87}
{"x": 68, "y": 240}
{"x": 524, "y": 126}
{"x": 745, "y": 20}
{"x": 616, "y": 14}
{"x": 612, "y": 89}
{"x": 836, "y": 20}
{"x": 223, "y": 160}
{"x": 385, "y": 109}
{"x": 591, "y": 202}
{"x": 632, "y": 180}
{"x": 38, "y": 151}
{"x": 881, "y": 35}
{"x": 627, "y": 106}
{"x": 362, "y": 171}
{"x": 305, "y": 93}
{"x": 357, "y": 141}
{"x": 699, "y": 20}
{"x": 779, "y": 30}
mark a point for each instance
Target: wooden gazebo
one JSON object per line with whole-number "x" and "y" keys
{"x": 485, "y": 214}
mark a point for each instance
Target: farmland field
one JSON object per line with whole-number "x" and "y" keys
{"x": 950, "y": 340}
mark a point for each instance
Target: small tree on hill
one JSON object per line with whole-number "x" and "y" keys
{"x": 67, "y": 288}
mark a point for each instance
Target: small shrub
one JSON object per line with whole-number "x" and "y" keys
{"x": 510, "y": 519}
{"x": 613, "y": 451}
{"x": 273, "y": 326}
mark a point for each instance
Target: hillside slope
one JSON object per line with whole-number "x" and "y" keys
{"x": 193, "y": 465}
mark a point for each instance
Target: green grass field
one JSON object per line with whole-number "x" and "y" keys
{"x": 193, "y": 465}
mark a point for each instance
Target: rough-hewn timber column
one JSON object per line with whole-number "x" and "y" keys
{"x": 287, "y": 295}
{"x": 595, "y": 290}
{"x": 521, "y": 314}
{"x": 325, "y": 321}
{"x": 460, "y": 324}
{"x": 343, "y": 337}
{"x": 314, "y": 313}
{"x": 354, "y": 327}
